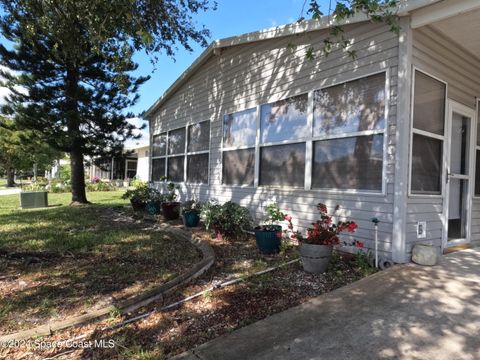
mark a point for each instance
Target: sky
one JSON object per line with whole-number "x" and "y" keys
{"x": 232, "y": 17}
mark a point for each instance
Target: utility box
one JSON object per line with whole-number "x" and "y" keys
{"x": 33, "y": 199}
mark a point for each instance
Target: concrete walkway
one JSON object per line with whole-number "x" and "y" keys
{"x": 407, "y": 312}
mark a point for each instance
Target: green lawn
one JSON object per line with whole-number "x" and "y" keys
{"x": 61, "y": 260}
{"x": 59, "y": 227}
{"x": 3, "y": 183}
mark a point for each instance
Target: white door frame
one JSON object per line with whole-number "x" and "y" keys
{"x": 453, "y": 106}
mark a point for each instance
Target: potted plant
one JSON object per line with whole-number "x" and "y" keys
{"x": 317, "y": 245}
{"x": 269, "y": 235}
{"x": 138, "y": 197}
{"x": 171, "y": 207}
{"x": 191, "y": 213}
{"x": 209, "y": 214}
{"x": 228, "y": 220}
{"x": 154, "y": 202}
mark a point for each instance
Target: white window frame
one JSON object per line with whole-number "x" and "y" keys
{"x": 427, "y": 134}
{"x": 185, "y": 153}
{"x": 310, "y": 139}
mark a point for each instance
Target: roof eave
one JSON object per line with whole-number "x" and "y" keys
{"x": 405, "y": 7}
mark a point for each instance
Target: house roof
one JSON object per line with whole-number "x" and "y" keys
{"x": 405, "y": 7}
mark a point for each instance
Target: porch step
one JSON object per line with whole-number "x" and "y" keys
{"x": 457, "y": 248}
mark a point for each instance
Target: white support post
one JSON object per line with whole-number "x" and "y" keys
{"x": 402, "y": 132}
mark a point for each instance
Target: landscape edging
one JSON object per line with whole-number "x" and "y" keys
{"x": 134, "y": 303}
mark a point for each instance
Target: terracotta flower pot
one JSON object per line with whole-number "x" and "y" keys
{"x": 171, "y": 210}
{"x": 137, "y": 204}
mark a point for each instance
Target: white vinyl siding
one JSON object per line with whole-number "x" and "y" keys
{"x": 435, "y": 55}
{"x": 246, "y": 76}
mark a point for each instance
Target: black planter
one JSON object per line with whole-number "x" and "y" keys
{"x": 171, "y": 210}
{"x": 137, "y": 204}
{"x": 268, "y": 239}
{"x": 191, "y": 219}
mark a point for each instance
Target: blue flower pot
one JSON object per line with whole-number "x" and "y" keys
{"x": 153, "y": 208}
{"x": 191, "y": 219}
{"x": 268, "y": 241}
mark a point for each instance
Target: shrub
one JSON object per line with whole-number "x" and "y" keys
{"x": 65, "y": 173}
{"x": 136, "y": 182}
{"x": 143, "y": 193}
{"x": 229, "y": 219}
{"x": 210, "y": 212}
{"x": 100, "y": 186}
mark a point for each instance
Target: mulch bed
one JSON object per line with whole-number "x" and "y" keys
{"x": 166, "y": 333}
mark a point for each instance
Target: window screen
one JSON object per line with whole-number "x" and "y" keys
{"x": 238, "y": 167}
{"x": 348, "y": 163}
{"x": 283, "y": 165}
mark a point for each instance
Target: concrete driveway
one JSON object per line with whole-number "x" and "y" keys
{"x": 406, "y": 312}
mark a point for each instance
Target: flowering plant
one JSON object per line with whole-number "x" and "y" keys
{"x": 323, "y": 231}
{"x": 274, "y": 215}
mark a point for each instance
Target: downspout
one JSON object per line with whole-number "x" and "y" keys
{"x": 402, "y": 140}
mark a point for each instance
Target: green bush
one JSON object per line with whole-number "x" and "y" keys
{"x": 229, "y": 219}
{"x": 65, "y": 173}
{"x": 101, "y": 186}
{"x": 136, "y": 182}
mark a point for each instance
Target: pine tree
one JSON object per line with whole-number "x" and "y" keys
{"x": 22, "y": 150}
{"x": 70, "y": 67}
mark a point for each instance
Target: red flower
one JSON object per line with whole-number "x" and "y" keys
{"x": 352, "y": 227}
{"x": 288, "y": 218}
{"x": 359, "y": 244}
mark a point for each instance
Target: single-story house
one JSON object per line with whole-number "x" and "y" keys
{"x": 134, "y": 164}
{"x": 390, "y": 133}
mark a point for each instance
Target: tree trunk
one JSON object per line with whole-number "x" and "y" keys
{"x": 78, "y": 177}
{"x": 10, "y": 177}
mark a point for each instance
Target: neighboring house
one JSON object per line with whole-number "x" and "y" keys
{"x": 391, "y": 134}
{"x": 135, "y": 163}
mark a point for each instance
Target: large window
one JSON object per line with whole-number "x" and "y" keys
{"x": 159, "y": 152}
{"x": 428, "y": 135}
{"x": 238, "y": 149}
{"x": 197, "y": 152}
{"x": 283, "y": 165}
{"x": 176, "y": 158}
{"x": 348, "y": 129}
{"x": 282, "y": 156}
{"x": 333, "y": 138}
{"x": 348, "y": 163}
{"x": 182, "y": 154}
